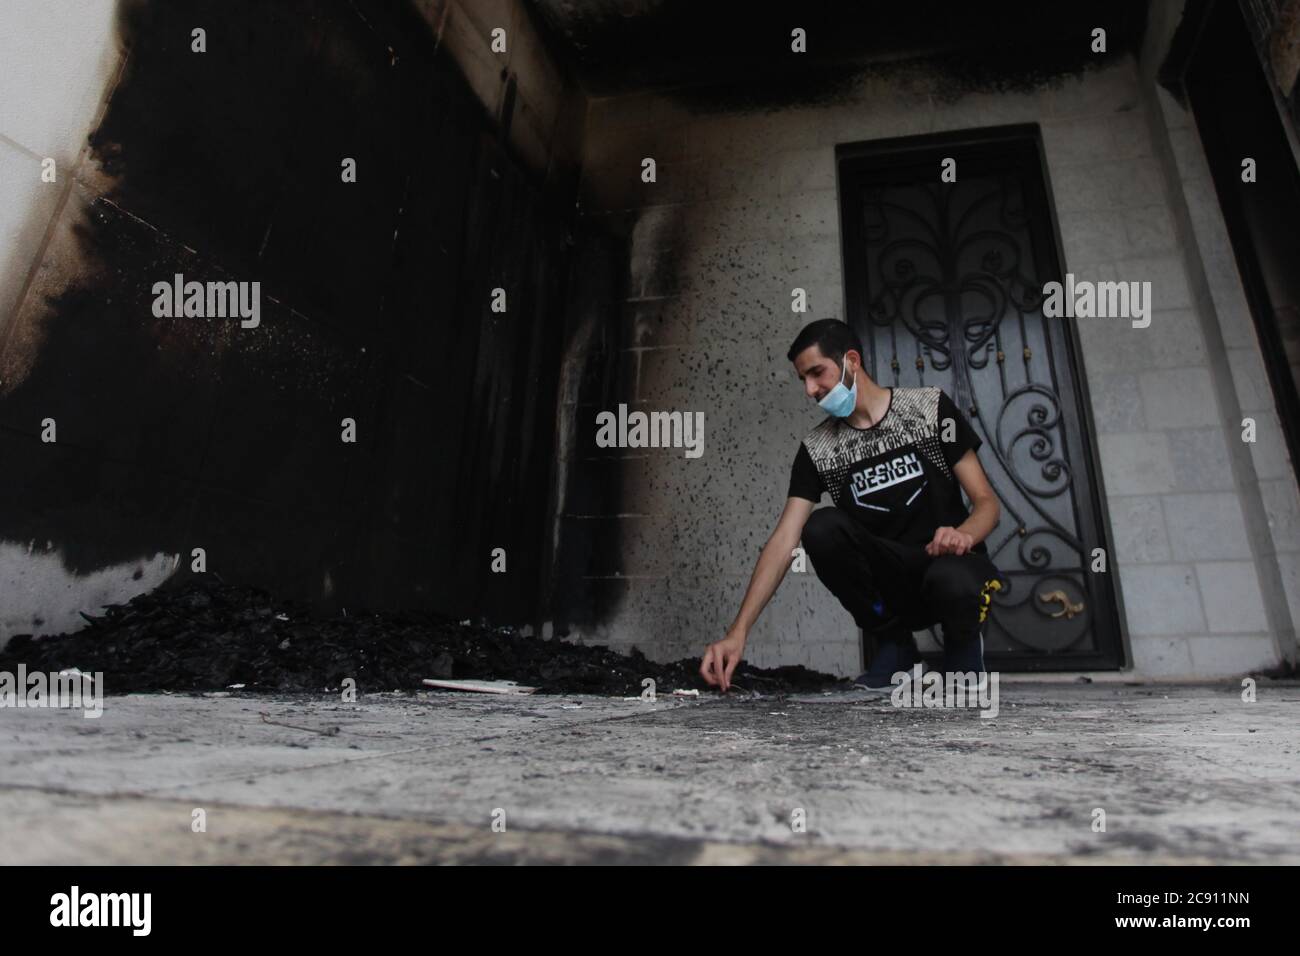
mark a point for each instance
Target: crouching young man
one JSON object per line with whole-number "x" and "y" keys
{"x": 898, "y": 547}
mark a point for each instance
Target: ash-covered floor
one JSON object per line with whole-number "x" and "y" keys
{"x": 1183, "y": 773}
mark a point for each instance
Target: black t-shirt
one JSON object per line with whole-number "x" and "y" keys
{"x": 896, "y": 476}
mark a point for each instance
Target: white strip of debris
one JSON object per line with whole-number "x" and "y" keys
{"x": 481, "y": 686}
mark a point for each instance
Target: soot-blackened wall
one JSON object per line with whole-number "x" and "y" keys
{"x": 182, "y": 433}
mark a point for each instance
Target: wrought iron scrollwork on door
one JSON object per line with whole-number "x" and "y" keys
{"x": 948, "y": 292}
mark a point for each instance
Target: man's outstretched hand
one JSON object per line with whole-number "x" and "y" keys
{"x": 721, "y": 658}
{"x": 949, "y": 541}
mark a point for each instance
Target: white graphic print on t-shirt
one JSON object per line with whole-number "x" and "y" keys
{"x": 883, "y": 475}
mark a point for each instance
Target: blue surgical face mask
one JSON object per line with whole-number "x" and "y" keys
{"x": 840, "y": 401}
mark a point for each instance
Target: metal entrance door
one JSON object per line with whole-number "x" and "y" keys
{"x": 943, "y": 282}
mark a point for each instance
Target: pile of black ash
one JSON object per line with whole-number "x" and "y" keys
{"x": 207, "y": 636}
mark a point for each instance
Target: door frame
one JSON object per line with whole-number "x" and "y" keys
{"x": 1189, "y": 52}
{"x": 853, "y": 160}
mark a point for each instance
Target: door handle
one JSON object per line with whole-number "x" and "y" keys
{"x": 1068, "y": 609}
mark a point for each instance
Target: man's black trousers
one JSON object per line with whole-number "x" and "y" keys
{"x": 892, "y": 589}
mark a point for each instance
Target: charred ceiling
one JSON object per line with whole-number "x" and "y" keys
{"x": 710, "y": 53}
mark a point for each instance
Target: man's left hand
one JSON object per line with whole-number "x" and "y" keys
{"x": 949, "y": 541}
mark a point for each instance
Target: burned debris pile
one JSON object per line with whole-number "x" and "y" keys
{"x": 211, "y": 635}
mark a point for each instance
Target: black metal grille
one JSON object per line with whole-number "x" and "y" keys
{"x": 945, "y": 287}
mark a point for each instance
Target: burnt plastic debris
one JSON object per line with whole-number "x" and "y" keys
{"x": 205, "y": 636}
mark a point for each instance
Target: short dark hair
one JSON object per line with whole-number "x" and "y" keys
{"x": 831, "y": 336}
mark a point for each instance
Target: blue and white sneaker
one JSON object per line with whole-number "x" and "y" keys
{"x": 891, "y": 657}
